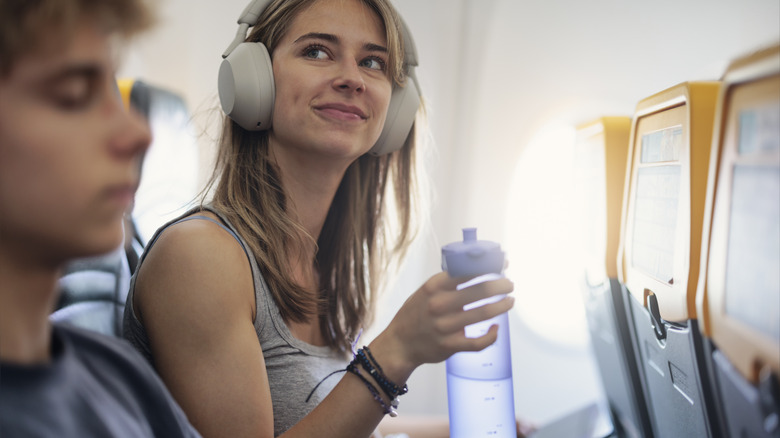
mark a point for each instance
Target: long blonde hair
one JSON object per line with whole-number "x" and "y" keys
{"x": 359, "y": 240}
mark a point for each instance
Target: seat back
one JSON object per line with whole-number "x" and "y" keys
{"x": 93, "y": 293}
{"x": 601, "y": 157}
{"x": 738, "y": 298}
{"x": 669, "y": 150}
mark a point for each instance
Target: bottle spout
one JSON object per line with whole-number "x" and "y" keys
{"x": 469, "y": 234}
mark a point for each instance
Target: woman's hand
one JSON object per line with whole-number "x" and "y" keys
{"x": 429, "y": 327}
{"x": 524, "y": 429}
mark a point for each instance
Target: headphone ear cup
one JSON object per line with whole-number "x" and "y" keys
{"x": 246, "y": 86}
{"x": 401, "y": 114}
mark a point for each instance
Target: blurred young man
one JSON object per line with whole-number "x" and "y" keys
{"x": 69, "y": 166}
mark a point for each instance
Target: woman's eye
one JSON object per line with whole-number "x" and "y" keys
{"x": 374, "y": 63}
{"x": 315, "y": 52}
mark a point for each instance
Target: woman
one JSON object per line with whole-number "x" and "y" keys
{"x": 292, "y": 246}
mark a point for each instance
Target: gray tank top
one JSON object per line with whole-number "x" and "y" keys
{"x": 294, "y": 367}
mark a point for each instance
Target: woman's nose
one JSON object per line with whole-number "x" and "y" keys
{"x": 349, "y": 77}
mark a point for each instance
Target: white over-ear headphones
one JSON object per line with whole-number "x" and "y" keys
{"x": 247, "y": 92}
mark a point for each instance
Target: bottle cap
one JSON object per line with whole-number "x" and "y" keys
{"x": 471, "y": 256}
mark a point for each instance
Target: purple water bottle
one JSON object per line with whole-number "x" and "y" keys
{"x": 479, "y": 384}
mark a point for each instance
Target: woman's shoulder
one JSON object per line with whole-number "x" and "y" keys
{"x": 196, "y": 260}
{"x": 199, "y": 237}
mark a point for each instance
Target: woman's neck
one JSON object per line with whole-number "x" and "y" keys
{"x": 28, "y": 292}
{"x": 310, "y": 184}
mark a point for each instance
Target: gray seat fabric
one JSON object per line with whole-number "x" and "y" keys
{"x": 93, "y": 293}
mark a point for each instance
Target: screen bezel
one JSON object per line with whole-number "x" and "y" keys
{"x": 677, "y": 302}
{"x": 747, "y": 347}
{"x": 672, "y": 298}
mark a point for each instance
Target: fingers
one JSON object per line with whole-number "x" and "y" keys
{"x": 432, "y": 322}
{"x": 463, "y": 343}
{"x": 448, "y": 301}
{"x": 443, "y": 281}
{"x": 486, "y": 311}
{"x": 480, "y": 291}
{"x": 457, "y": 321}
{"x": 524, "y": 429}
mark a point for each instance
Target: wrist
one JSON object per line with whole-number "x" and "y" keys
{"x": 390, "y": 355}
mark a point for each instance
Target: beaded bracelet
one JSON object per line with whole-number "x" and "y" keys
{"x": 389, "y": 410}
{"x": 363, "y": 360}
{"x": 391, "y": 389}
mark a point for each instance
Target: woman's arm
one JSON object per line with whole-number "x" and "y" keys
{"x": 416, "y": 426}
{"x": 195, "y": 297}
{"x": 428, "y": 328}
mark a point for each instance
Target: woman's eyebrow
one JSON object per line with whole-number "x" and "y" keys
{"x": 333, "y": 38}
{"x": 318, "y": 36}
{"x": 374, "y": 47}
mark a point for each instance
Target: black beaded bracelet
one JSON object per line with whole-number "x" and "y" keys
{"x": 391, "y": 389}
{"x": 388, "y": 410}
{"x": 388, "y": 385}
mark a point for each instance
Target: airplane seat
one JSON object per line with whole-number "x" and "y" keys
{"x": 601, "y": 152}
{"x": 93, "y": 293}
{"x": 601, "y": 157}
{"x": 738, "y": 295}
{"x": 659, "y": 255}
{"x": 94, "y": 289}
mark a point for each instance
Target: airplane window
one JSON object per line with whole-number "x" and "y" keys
{"x": 541, "y": 243}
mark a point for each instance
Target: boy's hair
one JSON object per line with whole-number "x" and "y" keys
{"x": 27, "y": 25}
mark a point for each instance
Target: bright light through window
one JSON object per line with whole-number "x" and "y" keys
{"x": 169, "y": 179}
{"x": 542, "y": 242}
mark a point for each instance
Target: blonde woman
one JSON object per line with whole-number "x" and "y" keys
{"x": 248, "y": 304}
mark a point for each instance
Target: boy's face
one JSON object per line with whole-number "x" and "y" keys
{"x": 69, "y": 151}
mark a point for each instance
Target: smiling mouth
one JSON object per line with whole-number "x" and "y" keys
{"x": 341, "y": 112}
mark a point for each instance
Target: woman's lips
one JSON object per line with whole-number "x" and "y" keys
{"x": 341, "y": 112}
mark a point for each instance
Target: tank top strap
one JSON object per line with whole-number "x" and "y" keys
{"x": 199, "y": 217}
{"x": 221, "y": 225}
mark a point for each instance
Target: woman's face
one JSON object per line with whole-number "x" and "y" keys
{"x": 69, "y": 151}
{"x": 332, "y": 86}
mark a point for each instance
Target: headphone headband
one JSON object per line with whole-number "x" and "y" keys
{"x": 247, "y": 19}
